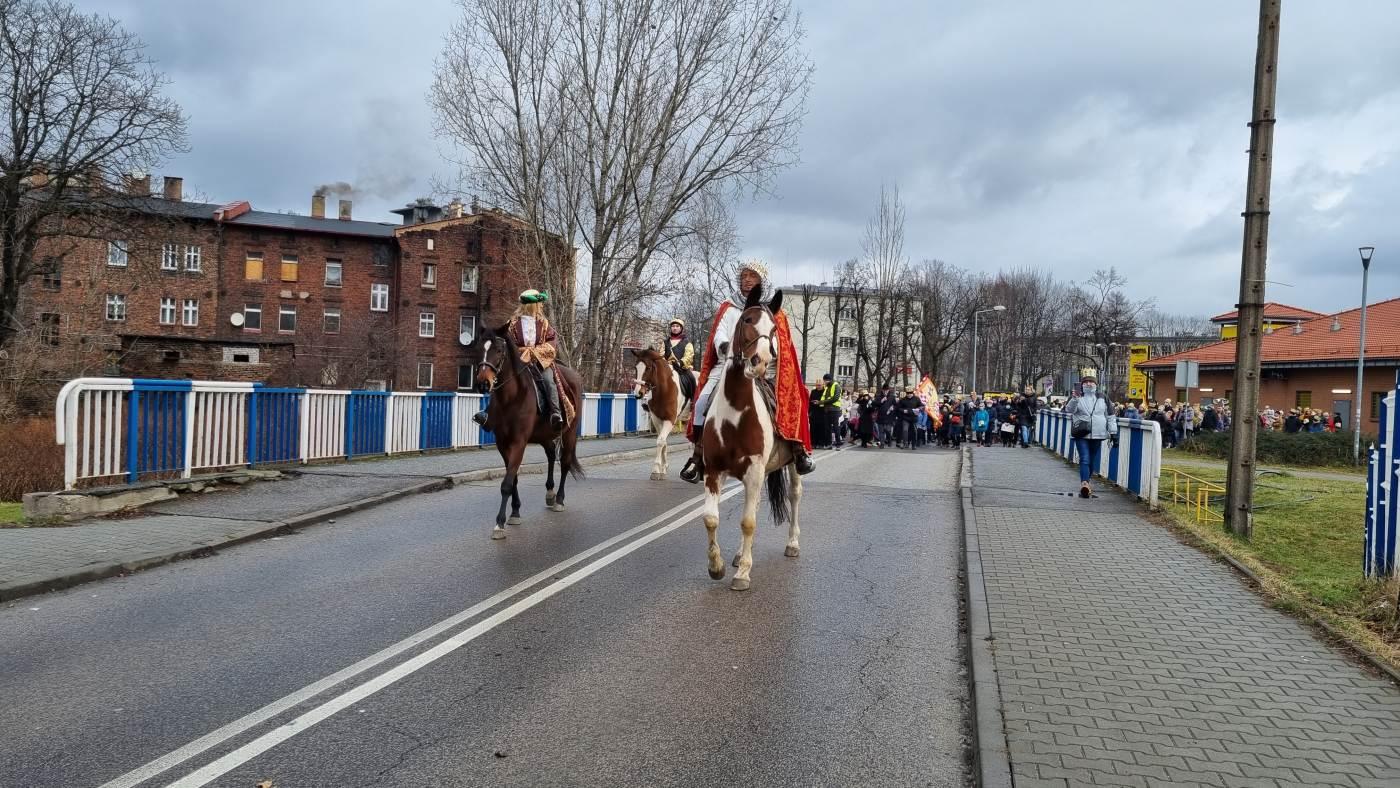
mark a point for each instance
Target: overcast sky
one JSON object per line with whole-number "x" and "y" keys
{"x": 1071, "y": 135}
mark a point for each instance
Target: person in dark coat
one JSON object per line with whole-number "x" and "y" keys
{"x": 885, "y": 416}
{"x": 1292, "y": 423}
{"x": 1026, "y": 407}
{"x": 1210, "y": 422}
{"x": 816, "y": 415}
{"x": 909, "y": 407}
{"x": 865, "y": 428}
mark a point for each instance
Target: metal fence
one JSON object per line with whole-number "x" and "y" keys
{"x": 1134, "y": 463}
{"x": 1383, "y": 492}
{"x": 121, "y": 430}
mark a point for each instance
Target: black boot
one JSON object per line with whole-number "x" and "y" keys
{"x": 551, "y": 387}
{"x": 694, "y": 469}
{"x": 801, "y": 460}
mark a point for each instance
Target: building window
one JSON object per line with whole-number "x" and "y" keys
{"x": 333, "y": 273}
{"x": 845, "y": 370}
{"x": 169, "y": 257}
{"x": 427, "y": 324}
{"x": 382, "y": 253}
{"x": 379, "y": 298}
{"x": 1376, "y": 397}
{"x": 846, "y": 342}
{"x": 425, "y": 374}
{"x": 194, "y": 259}
{"x": 429, "y": 276}
{"x": 1181, "y": 395}
{"x": 167, "y": 311}
{"x": 466, "y": 329}
{"x": 116, "y": 253}
{"x": 287, "y": 319}
{"x": 252, "y": 317}
{"x": 289, "y": 268}
{"x": 848, "y": 313}
{"x": 469, "y": 277}
{"x": 1302, "y": 399}
{"x": 331, "y": 321}
{"x": 50, "y": 325}
{"x": 252, "y": 267}
{"x": 431, "y": 244}
{"x": 190, "y": 314}
{"x": 116, "y": 307}
{"x": 52, "y": 275}
{"x": 466, "y": 376}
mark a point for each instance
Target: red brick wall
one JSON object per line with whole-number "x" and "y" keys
{"x": 1280, "y": 388}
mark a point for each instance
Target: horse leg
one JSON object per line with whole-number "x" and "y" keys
{"x": 550, "y": 452}
{"x": 514, "y": 518}
{"x": 712, "y": 484}
{"x": 795, "y": 501}
{"x": 512, "y": 457}
{"x": 568, "y": 460}
{"x": 661, "y": 466}
{"x": 753, "y": 488}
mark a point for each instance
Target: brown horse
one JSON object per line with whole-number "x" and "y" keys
{"x": 514, "y": 417}
{"x": 659, "y": 387}
{"x": 739, "y": 439}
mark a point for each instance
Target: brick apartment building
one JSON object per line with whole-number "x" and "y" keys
{"x": 227, "y": 292}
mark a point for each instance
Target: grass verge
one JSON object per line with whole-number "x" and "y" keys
{"x": 1199, "y": 460}
{"x": 10, "y": 512}
{"x": 1306, "y": 554}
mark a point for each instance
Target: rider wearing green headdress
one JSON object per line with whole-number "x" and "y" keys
{"x": 532, "y": 333}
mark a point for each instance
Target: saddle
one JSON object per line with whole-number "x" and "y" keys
{"x": 566, "y": 401}
{"x": 687, "y": 382}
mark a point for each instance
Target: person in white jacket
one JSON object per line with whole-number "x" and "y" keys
{"x": 1092, "y": 421}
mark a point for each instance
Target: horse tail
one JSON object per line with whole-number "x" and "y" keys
{"x": 778, "y": 503}
{"x": 575, "y": 468}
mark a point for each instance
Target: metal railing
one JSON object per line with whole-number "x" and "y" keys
{"x": 1383, "y": 492}
{"x": 122, "y": 430}
{"x": 1195, "y": 494}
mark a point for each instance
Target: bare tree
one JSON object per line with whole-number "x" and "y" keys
{"x": 947, "y": 295}
{"x": 807, "y": 296}
{"x": 841, "y": 306}
{"x": 83, "y": 107}
{"x": 887, "y": 271}
{"x": 603, "y": 119}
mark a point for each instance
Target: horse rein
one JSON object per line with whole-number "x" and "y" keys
{"x": 772, "y": 341}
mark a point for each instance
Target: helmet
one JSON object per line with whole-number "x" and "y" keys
{"x": 676, "y": 320}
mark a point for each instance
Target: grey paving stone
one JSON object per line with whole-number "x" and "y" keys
{"x": 1110, "y": 631}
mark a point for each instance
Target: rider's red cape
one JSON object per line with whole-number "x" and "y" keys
{"x": 791, "y": 391}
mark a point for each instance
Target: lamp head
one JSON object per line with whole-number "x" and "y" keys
{"x": 1366, "y": 252}
{"x": 999, "y": 308}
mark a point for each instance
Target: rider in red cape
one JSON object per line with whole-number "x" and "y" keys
{"x": 791, "y": 420}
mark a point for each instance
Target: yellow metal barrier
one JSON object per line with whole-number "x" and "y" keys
{"x": 1194, "y": 493}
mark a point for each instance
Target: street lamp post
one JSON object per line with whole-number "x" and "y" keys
{"x": 1366, "y": 252}
{"x": 997, "y": 308}
{"x": 1103, "y": 370}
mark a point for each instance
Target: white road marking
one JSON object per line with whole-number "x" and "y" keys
{"x": 238, "y": 726}
{"x": 306, "y": 720}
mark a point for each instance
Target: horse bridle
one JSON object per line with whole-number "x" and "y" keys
{"x": 497, "y": 379}
{"x": 771, "y": 337}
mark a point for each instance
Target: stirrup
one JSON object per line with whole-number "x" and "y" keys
{"x": 693, "y": 470}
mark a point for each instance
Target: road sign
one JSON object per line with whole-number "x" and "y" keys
{"x": 1137, "y": 379}
{"x": 1188, "y": 374}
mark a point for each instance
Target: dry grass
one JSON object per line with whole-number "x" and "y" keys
{"x": 30, "y": 460}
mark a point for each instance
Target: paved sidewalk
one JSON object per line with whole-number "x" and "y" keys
{"x": 1127, "y": 658}
{"x": 38, "y": 559}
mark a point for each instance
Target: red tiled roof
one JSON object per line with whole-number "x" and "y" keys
{"x": 1316, "y": 342}
{"x": 1272, "y": 309}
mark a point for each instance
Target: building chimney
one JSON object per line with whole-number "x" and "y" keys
{"x": 174, "y": 188}
{"x": 455, "y": 209}
{"x": 345, "y": 210}
{"x": 318, "y": 206}
{"x": 138, "y": 184}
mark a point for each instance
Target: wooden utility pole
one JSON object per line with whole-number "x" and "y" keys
{"x": 1239, "y": 485}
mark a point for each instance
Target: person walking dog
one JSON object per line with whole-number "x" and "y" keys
{"x": 1092, "y": 421}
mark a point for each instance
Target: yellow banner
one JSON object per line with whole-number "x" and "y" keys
{"x": 929, "y": 394}
{"x": 1137, "y": 379}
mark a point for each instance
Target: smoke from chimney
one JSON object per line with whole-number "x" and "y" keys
{"x": 339, "y": 188}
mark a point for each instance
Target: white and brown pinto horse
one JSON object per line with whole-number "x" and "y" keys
{"x": 739, "y": 439}
{"x": 659, "y": 388}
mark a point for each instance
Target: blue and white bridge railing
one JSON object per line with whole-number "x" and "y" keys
{"x": 116, "y": 430}
{"x": 1383, "y": 492}
{"x": 1134, "y": 464}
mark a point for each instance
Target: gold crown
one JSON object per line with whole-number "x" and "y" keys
{"x": 756, "y": 266}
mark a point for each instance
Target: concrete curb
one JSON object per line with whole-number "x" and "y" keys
{"x": 264, "y": 529}
{"x": 993, "y": 760}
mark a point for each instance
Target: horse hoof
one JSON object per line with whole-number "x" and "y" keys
{"x": 514, "y": 519}
{"x": 556, "y": 507}
{"x": 549, "y": 499}
{"x": 717, "y": 574}
{"x": 498, "y": 533}
{"x": 790, "y": 552}
{"x": 739, "y": 584}
{"x": 656, "y": 477}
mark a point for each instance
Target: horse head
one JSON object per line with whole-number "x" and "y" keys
{"x": 755, "y": 344}
{"x": 499, "y": 359}
{"x": 648, "y": 364}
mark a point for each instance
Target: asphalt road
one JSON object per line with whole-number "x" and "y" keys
{"x": 589, "y": 648}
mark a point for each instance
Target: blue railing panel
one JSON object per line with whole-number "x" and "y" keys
{"x": 274, "y": 426}
{"x": 364, "y": 422}
{"x": 435, "y": 431}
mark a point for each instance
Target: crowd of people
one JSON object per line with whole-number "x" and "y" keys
{"x": 888, "y": 417}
